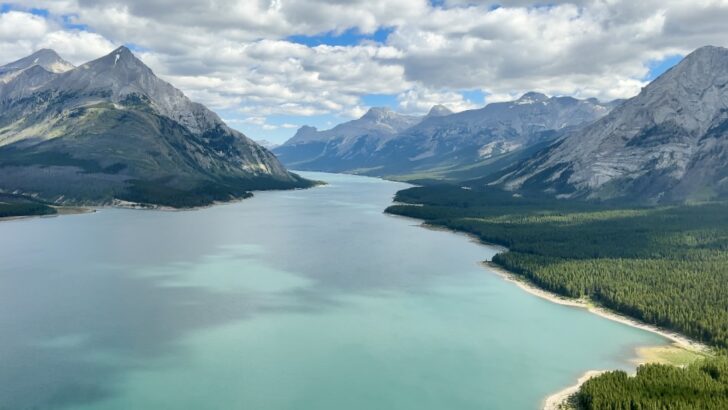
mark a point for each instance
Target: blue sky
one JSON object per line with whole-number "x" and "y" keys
{"x": 346, "y": 38}
{"x": 659, "y": 67}
{"x": 270, "y": 67}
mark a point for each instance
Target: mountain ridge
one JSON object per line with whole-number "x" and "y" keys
{"x": 439, "y": 140}
{"x": 665, "y": 144}
{"x": 128, "y": 135}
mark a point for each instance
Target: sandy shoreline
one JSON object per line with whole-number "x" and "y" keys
{"x": 678, "y": 339}
{"x": 553, "y": 401}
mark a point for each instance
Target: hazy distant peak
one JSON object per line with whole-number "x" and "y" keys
{"x": 378, "y": 113}
{"x": 305, "y": 130}
{"x": 532, "y": 97}
{"x": 439, "y": 110}
{"x": 267, "y": 144}
{"x": 46, "y": 58}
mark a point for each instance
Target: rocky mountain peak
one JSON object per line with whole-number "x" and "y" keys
{"x": 118, "y": 62}
{"x": 666, "y": 143}
{"x": 439, "y": 110}
{"x": 120, "y": 75}
{"x": 45, "y": 58}
{"x": 378, "y": 113}
{"x": 129, "y": 119}
{"x": 305, "y": 132}
{"x": 532, "y": 97}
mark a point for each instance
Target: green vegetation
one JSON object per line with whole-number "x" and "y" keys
{"x": 701, "y": 385}
{"x": 671, "y": 354}
{"x": 665, "y": 266}
{"x": 15, "y": 205}
{"x": 201, "y": 193}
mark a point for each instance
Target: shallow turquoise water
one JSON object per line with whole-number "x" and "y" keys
{"x": 291, "y": 300}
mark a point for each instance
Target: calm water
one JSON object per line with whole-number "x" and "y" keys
{"x": 291, "y": 300}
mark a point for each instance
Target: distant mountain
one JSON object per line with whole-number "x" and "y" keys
{"x": 345, "y": 146}
{"x": 111, "y": 130}
{"x": 267, "y": 144}
{"x": 439, "y": 111}
{"x": 669, "y": 143}
{"x": 441, "y": 142}
{"x": 469, "y": 138}
{"x": 47, "y": 59}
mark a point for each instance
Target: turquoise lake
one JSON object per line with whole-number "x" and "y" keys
{"x": 310, "y": 299}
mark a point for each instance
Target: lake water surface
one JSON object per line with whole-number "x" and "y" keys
{"x": 308, "y": 299}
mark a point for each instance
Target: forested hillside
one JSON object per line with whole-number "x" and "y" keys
{"x": 701, "y": 385}
{"x": 665, "y": 266}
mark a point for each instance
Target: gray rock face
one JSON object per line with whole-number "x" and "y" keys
{"x": 47, "y": 59}
{"x": 110, "y": 129}
{"x": 666, "y": 144}
{"x": 441, "y": 139}
{"x": 122, "y": 74}
{"x": 513, "y": 123}
{"x": 377, "y": 122}
{"x": 439, "y": 111}
{"x": 346, "y": 145}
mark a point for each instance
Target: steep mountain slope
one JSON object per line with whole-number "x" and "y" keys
{"x": 669, "y": 143}
{"x": 470, "y": 137}
{"x": 442, "y": 142}
{"x": 345, "y": 147}
{"x": 47, "y": 59}
{"x": 110, "y": 129}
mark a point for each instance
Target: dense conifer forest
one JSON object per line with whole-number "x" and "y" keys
{"x": 701, "y": 385}
{"x": 666, "y": 266}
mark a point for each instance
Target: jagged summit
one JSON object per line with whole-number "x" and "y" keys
{"x": 439, "y": 110}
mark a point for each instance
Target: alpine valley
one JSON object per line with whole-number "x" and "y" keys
{"x": 320, "y": 298}
{"x": 441, "y": 144}
{"x": 110, "y": 131}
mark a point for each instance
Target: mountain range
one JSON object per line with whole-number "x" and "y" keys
{"x": 667, "y": 144}
{"x": 110, "y": 130}
{"x": 385, "y": 143}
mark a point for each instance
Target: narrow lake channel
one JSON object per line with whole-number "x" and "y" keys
{"x": 310, "y": 299}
